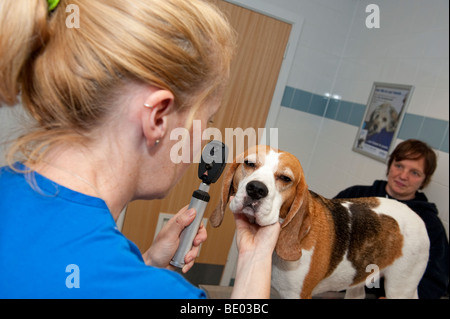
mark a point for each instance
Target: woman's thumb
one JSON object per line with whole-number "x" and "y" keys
{"x": 184, "y": 218}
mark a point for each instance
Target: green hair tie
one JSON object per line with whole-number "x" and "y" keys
{"x": 52, "y": 4}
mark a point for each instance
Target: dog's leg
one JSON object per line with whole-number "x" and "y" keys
{"x": 401, "y": 280}
{"x": 398, "y": 292}
{"x": 399, "y": 286}
{"x": 403, "y": 276}
{"x": 356, "y": 292}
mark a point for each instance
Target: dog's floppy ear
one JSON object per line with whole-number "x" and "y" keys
{"x": 295, "y": 226}
{"x": 227, "y": 191}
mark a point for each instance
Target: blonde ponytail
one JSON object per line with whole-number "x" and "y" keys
{"x": 23, "y": 26}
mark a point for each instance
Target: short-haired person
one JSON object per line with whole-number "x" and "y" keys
{"x": 410, "y": 168}
{"x": 104, "y": 98}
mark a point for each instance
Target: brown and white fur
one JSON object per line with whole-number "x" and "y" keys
{"x": 325, "y": 244}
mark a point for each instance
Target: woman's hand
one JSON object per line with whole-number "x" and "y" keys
{"x": 254, "y": 239}
{"x": 255, "y": 245}
{"x": 167, "y": 241}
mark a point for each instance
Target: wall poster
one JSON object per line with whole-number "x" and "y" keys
{"x": 385, "y": 110}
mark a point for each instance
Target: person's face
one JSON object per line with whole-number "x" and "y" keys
{"x": 405, "y": 178}
{"x": 191, "y": 144}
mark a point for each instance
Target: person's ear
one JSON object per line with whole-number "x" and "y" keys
{"x": 158, "y": 105}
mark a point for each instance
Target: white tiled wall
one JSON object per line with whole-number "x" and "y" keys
{"x": 411, "y": 47}
{"x": 322, "y": 43}
{"x": 338, "y": 54}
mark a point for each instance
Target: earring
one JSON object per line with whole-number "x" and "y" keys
{"x": 157, "y": 142}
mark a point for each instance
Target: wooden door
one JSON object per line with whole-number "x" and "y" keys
{"x": 254, "y": 74}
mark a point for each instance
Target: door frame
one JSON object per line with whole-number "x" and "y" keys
{"x": 296, "y": 21}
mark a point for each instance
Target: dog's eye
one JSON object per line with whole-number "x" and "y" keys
{"x": 285, "y": 178}
{"x": 249, "y": 164}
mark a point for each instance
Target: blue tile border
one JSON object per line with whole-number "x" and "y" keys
{"x": 444, "y": 146}
{"x": 411, "y": 126}
{"x": 301, "y": 100}
{"x": 433, "y": 131}
{"x": 430, "y": 130}
{"x": 357, "y": 114}
{"x": 332, "y": 110}
{"x": 288, "y": 95}
{"x": 345, "y": 109}
{"x": 318, "y": 105}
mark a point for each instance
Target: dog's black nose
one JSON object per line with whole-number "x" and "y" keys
{"x": 256, "y": 190}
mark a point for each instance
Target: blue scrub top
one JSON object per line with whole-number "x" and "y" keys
{"x": 58, "y": 243}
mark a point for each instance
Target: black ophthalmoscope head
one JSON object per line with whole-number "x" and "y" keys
{"x": 213, "y": 162}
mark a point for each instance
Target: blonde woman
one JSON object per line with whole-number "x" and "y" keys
{"x": 104, "y": 98}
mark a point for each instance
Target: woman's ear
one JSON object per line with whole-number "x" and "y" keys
{"x": 158, "y": 105}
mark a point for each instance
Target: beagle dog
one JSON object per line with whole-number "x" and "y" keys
{"x": 325, "y": 244}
